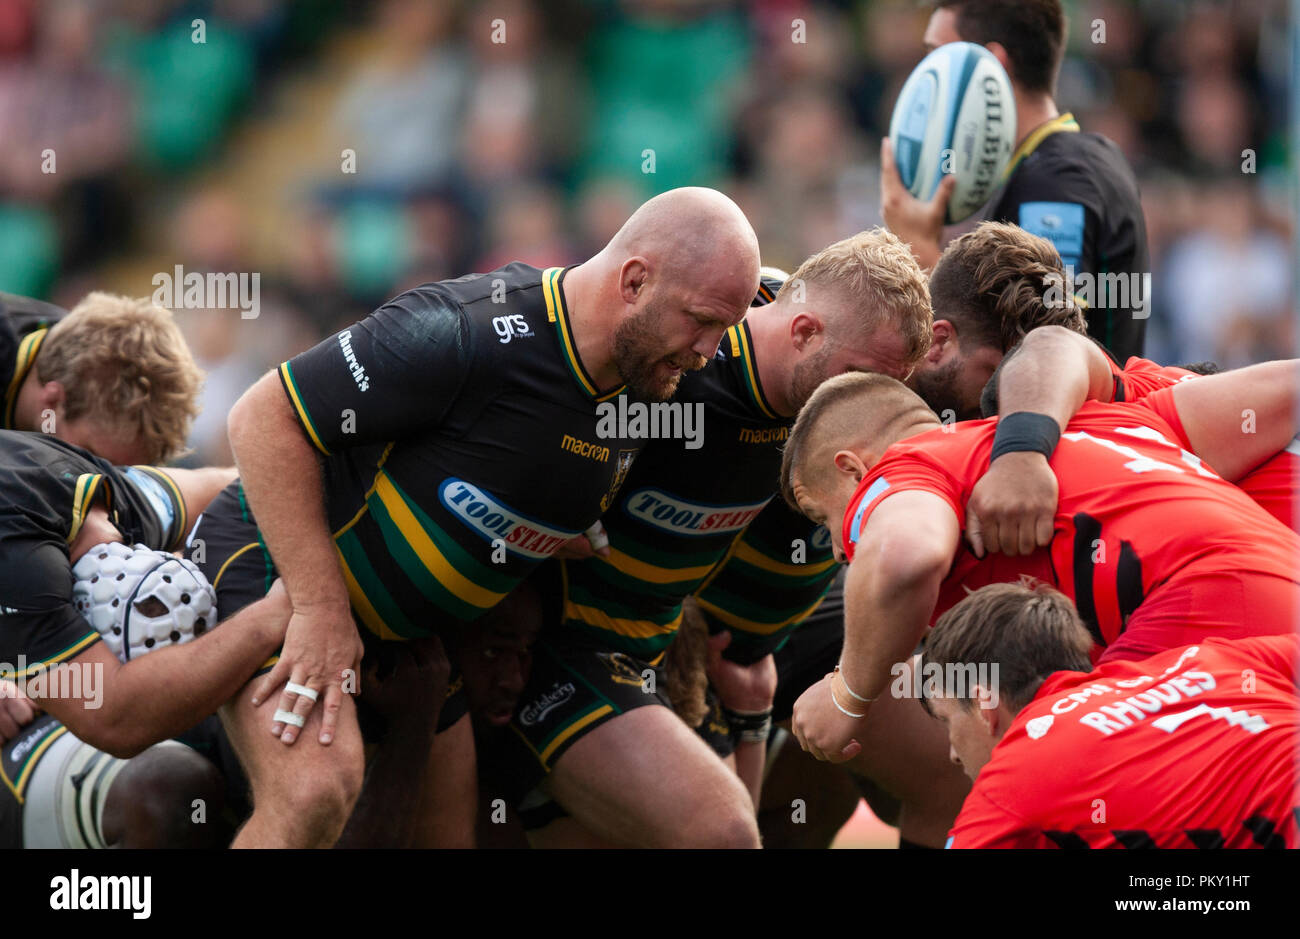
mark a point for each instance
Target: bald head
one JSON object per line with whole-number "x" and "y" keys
{"x": 862, "y": 412}
{"x": 695, "y": 236}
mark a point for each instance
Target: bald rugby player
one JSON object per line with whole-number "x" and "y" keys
{"x": 406, "y": 474}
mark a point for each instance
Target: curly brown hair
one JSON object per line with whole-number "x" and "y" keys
{"x": 996, "y": 283}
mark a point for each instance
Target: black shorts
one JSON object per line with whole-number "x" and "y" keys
{"x": 227, "y": 546}
{"x": 574, "y": 688}
{"x": 812, "y": 650}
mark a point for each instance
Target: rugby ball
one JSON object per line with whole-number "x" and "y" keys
{"x": 955, "y": 115}
{"x": 139, "y": 599}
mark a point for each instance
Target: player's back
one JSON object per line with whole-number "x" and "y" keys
{"x": 1138, "y": 518}
{"x": 1192, "y": 748}
{"x": 1078, "y": 191}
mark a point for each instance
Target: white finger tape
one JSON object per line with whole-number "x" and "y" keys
{"x": 288, "y": 717}
{"x": 294, "y": 688}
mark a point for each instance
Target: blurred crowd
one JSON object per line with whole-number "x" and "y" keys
{"x": 529, "y": 129}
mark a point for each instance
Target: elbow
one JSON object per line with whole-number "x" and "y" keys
{"x": 118, "y": 737}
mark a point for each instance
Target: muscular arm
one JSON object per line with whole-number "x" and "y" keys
{"x": 1053, "y": 372}
{"x": 1237, "y": 420}
{"x": 123, "y": 709}
{"x": 892, "y": 584}
{"x": 282, "y": 480}
{"x": 281, "y": 476}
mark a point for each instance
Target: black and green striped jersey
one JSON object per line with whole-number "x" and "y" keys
{"x": 460, "y": 438}
{"x": 46, "y": 489}
{"x": 23, "y": 325}
{"x": 774, "y": 577}
{"x": 681, "y": 508}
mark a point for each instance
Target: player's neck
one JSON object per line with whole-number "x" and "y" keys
{"x": 773, "y": 375}
{"x": 1033, "y": 110}
{"x": 27, "y": 409}
{"x": 593, "y": 337}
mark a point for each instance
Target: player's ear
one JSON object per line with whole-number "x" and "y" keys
{"x": 632, "y": 278}
{"x": 1000, "y": 53}
{"x": 849, "y": 463}
{"x": 943, "y": 342}
{"x": 53, "y": 396}
{"x": 805, "y": 327}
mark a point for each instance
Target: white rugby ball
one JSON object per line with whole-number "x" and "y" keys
{"x": 955, "y": 115}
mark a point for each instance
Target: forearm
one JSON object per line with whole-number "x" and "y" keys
{"x": 750, "y": 760}
{"x": 1054, "y": 372}
{"x": 270, "y": 448}
{"x": 166, "y": 692}
{"x": 883, "y": 622}
{"x": 390, "y": 797}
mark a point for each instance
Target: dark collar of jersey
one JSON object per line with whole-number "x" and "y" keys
{"x": 22, "y": 364}
{"x": 1065, "y": 123}
{"x": 557, "y": 312}
{"x": 742, "y": 347}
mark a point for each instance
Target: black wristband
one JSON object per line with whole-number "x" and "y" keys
{"x": 1025, "y": 431}
{"x": 749, "y": 728}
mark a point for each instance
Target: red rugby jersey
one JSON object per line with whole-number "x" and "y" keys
{"x": 1191, "y": 748}
{"x": 1272, "y": 484}
{"x": 1138, "y": 514}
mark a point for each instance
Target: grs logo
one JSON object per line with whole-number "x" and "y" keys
{"x": 511, "y": 326}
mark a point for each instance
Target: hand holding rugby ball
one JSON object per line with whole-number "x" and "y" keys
{"x": 955, "y": 115}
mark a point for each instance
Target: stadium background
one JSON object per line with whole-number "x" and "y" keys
{"x": 229, "y": 155}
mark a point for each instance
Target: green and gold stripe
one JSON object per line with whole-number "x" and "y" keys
{"x": 1063, "y": 124}
{"x": 26, "y": 357}
{"x": 557, "y": 312}
{"x": 295, "y": 397}
{"x": 742, "y": 346}
{"x": 19, "y": 786}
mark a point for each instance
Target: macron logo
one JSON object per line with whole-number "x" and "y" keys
{"x": 103, "y": 892}
{"x": 356, "y": 368}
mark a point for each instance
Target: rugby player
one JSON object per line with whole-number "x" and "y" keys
{"x": 459, "y": 431}
{"x": 1153, "y": 543}
{"x": 1191, "y": 748}
{"x": 1048, "y": 377}
{"x": 58, "y": 502}
{"x": 1073, "y": 188}
{"x": 114, "y": 376}
{"x": 989, "y": 290}
{"x": 595, "y": 726}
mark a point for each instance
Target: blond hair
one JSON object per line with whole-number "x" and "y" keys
{"x": 873, "y": 272}
{"x": 124, "y": 363}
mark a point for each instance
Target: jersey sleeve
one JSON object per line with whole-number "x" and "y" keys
{"x": 148, "y": 508}
{"x": 912, "y": 469}
{"x": 398, "y": 370}
{"x": 38, "y": 623}
{"x": 1142, "y": 377}
{"x": 982, "y": 823}
{"x": 1162, "y": 403}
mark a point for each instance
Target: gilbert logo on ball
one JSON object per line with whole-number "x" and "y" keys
{"x": 955, "y": 114}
